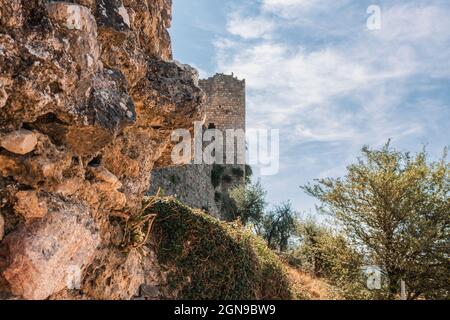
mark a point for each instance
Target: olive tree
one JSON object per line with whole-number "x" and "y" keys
{"x": 250, "y": 202}
{"x": 395, "y": 206}
{"x": 278, "y": 226}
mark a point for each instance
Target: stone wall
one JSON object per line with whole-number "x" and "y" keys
{"x": 191, "y": 184}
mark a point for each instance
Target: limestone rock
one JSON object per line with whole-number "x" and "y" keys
{"x": 113, "y": 14}
{"x": 9, "y": 166}
{"x": 150, "y": 292}
{"x": 30, "y": 205}
{"x": 69, "y": 186}
{"x": 121, "y": 50}
{"x": 11, "y": 15}
{"x": 19, "y": 142}
{"x": 94, "y": 80}
{"x": 102, "y": 174}
{"x": 150, "y": 20}
{"x": 2, "y": 227}
{"x": 72, "y": 16}
{"x": 115, "y": 275}
{"x": 3, "y": 97}
{"x": 44, "y": 252}
{"x": 46, "y": 167}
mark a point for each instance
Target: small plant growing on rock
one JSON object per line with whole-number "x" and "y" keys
{"x": 138, "y": 227}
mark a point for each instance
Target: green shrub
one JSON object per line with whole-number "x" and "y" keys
{"x": 228, "y": 208}
{"x": 208, "y": 259}
{"x": 227, "y": 178}
{"x": 238, "y": 172}
{"x": 216, "y": 175}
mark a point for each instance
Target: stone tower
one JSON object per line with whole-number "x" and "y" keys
{"x": 225, "y": 106}
{"x": 207, "y": 186}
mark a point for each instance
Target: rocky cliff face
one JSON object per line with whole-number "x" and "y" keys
{"x": 88, "y": 99}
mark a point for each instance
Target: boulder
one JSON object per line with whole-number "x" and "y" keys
{"x": 44, "y": 253}
{"x": 93, "y": 79}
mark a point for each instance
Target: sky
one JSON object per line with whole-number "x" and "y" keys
{"x": 330, "y": 75}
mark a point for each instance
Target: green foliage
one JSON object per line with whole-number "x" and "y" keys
{"x": 227, "y": 178}
{"x": 396, "y": 207}
{"x": 174, "y": 179}
{"x": 250, "y": 202}
{"x": 278, "y": 226}
{"x": 327, "y": 254}
{"x": 248, "y": 173}
{"x": 238, "y": 172}
{"x": 208, "y": 259}
{"x": 216, "y": 175}
{"x": 228, "y": 207}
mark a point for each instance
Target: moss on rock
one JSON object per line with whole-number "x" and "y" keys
{"x": 205, "y": 258}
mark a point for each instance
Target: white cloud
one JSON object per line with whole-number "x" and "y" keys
{"x": 290, "y": 83}
{"x": 305, "y": 78}
{"x": 284, "y": 5}
{"x": 353, "y": 87}
{"x": 294, "y": 8}
{"x": 249, "y": 27}
{"x": 409, "y": 22}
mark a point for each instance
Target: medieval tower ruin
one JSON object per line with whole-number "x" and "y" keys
{"x": 206, "y": 186}
{"x": 226, "y": 102}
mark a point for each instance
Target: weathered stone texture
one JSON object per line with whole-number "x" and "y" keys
{"x": 2, "y": 227}
{"x": 225, "y": 105}
{"x": 191, "y": 184}
{"x": 19, "y": 142}
{"x": 31, "y": 205}
{"x": 42, "y": 252}
{"x": 88, "y": 99}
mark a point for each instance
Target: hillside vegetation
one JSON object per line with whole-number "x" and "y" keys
{"x": 204, "y": 258}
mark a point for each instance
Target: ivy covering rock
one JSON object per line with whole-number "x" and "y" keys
{"x": 204, "y": 258}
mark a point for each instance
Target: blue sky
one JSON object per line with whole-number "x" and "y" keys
{"x": 316, "y": 72}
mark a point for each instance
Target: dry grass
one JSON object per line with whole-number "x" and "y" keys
{"x": 308, "y": 287}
